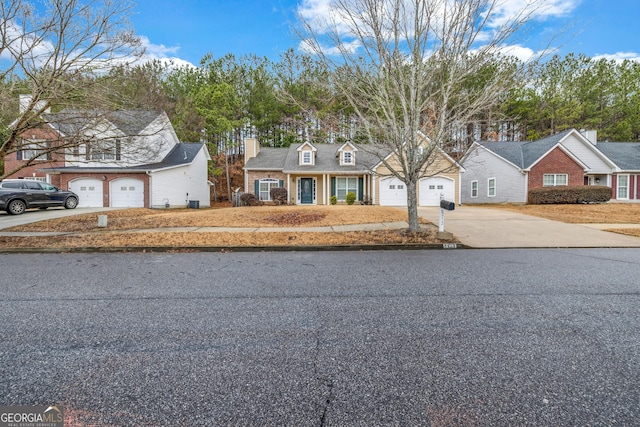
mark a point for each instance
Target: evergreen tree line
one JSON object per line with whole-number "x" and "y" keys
{"x": 224, "y": 100}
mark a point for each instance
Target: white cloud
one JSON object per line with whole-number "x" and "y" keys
{"x": 349, "y": 47}
{"x": 162, "y": 53}
{"x": 507, "y": 11}
{"x": 619, "y": 56}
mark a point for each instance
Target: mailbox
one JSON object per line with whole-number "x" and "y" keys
{"x": 444, "y": 204}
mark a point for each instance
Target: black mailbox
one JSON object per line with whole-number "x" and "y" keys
{"x": 444, "y": 204}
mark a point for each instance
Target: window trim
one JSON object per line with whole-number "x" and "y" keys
{"x": 351, "y": 160}
{"x": 555, "y": 179}
{"x": 490, "y": 187}
{"x": 626, "y": 187}
{"x": 347, "y": 188}
{"x": 474, "y": 190}
{"x": 269, "y": 182}
{"x": 307, "y": 157}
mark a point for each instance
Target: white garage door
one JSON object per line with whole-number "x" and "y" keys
{"x": 127, "y": 193}
{"x": 393, "y": 192}
{"x": 431, "y": 188}
{"x": 89, "y": 192}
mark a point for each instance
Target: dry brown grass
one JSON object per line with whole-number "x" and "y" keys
{"x": 195, "y": 239}
{"x": 607, "y": 213}
{"x": 121, "y": 223}
{"x": 261, "y": 216}
{"x": 628, "y": 231}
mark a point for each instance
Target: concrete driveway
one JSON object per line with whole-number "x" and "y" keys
{"x": 497, "y": 228}
{"x": 35, "y": 215}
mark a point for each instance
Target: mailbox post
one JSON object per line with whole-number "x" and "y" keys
{"x": 444, "y": 205}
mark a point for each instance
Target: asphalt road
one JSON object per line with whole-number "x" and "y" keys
{"x": 440, "y": 338}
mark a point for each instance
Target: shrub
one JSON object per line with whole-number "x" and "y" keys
{"x": 351, "y": 198}
{"x": 248, "y": 199}
{"x": 570, "y": 195}
{"x": 333, "y": 200}
{"x": 279, "y": 195}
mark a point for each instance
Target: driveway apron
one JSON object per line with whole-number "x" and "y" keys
{"x": 497, "y": 228}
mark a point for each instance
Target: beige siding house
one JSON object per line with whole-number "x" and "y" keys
{"x": 313, "y": 173}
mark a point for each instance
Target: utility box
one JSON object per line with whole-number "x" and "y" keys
{"x": 194, "y": 204}
{"x": 446, "y": 205}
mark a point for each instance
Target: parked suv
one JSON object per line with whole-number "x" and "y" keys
{"x": 18, "y": 195}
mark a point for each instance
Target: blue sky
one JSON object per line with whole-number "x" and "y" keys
{"x": 186, "y": 30}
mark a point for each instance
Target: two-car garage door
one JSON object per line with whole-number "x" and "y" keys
{"x": 393, "y": 192}
{"x": 124, "y": 192}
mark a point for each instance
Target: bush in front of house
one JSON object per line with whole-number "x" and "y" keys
{"x": 248, "y": 199}
{"x": 570, "y": 195}
{"x": 279, "y": 195}
{"x": 351, "y": 198}
{"x": 333, "y": 200}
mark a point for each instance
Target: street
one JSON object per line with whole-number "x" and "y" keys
{"x": 541, "y": 337}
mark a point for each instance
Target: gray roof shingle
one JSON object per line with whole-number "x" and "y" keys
{"x": 129, "y": 122}
{"x": 327, "y": 159}
{"x": 624, "y": 154}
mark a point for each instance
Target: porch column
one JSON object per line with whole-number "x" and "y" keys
{"x": 324, "y": 189}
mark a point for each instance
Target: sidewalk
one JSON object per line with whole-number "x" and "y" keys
{"x": 497, "y": 228}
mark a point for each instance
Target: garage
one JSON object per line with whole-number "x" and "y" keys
{"x": 431, "y": 188}
{"x": 127, "y": 193}
{"x": 89, "y": 191}
{"x": 393, "y": 192}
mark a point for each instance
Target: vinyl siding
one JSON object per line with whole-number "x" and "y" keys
{"x": 480, "y": 165}
{"x": 582, "y": 151}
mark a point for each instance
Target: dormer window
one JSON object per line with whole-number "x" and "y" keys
{"x": 347, "y": 158}
{"x": 306, "y": 154}
{"x": 347, "y": 154}
{"x": 306, "y": 157}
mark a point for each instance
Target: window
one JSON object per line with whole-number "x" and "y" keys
{"x": 346, "y": 185}
{"x": 491, "y": 187}
{"x": 306, "y": 157}
{"x": 555, "y": 179}
{"x": 347, "y": 157}
{"x": 104, "y": 150}
{"x": 474, "y": 188}
{"x": 34, "y": 149}
{"x": 623, "y": 187}
{"x": 265, "y": 186}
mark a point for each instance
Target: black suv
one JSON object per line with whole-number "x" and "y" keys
{"x": 18, "y": 195}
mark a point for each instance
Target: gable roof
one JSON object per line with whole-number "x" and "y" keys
{"x": 626, "y": 155}
{"x": 182, "y": 154}
{"x": 525, "y": 154}
{"x": 129, "y": 122}
{"x": 287, "y": 161}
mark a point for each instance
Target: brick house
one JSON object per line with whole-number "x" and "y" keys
{"x": 127, "y": 158}
{"x": 504, "y": 172}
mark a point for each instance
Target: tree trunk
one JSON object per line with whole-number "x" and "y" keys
{"x": 412, "y": 206}
{"x": 226, "y": 164}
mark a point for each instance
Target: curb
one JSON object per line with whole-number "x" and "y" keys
{"x": 223, "y": 249}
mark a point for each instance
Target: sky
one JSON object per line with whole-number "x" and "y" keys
{"x": 186, "y": 30}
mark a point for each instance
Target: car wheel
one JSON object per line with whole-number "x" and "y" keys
{"x": 16, "y": 207}
{"x": 71, "y": 203}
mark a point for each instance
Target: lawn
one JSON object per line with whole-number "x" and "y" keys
{"x": 606, "y": 213}
{"x": 122, "y": 223}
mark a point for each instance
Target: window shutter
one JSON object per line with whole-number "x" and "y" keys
{"x": 333, "y": 186}
{"x": 360, "y": 188}
{"x": 281, "y": 183}
{"x": 19, "y": 154}
{"x": 256, "y": 188}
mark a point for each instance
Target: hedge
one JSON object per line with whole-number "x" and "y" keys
{"x": 279, "y": 195}
{"x": 570, "y": 195}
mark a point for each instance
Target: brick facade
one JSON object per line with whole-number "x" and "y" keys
{"x": 106, "y": 179}
{"x": 11, "y": 161}
{"x": 253, "y": 175}
{"x": 556, "y": 162}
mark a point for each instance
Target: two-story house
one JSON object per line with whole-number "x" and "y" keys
{"x": 118, "y": 159}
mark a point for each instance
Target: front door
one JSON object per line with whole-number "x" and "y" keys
{"x": 306, "y": 191}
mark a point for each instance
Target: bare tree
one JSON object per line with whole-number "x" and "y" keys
{"x": 53, "y": 51}
{"x": 410, "y": 69}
